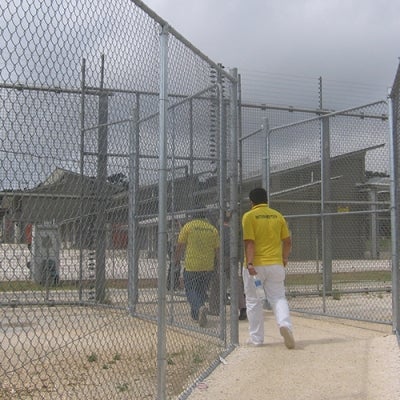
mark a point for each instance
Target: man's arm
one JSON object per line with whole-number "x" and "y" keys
{"x": 249, "y": 253}
{"x": 286, "y": 248}
{"x": 179, "y": 250}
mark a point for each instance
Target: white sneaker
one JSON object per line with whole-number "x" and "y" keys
{"x": 287, "y": 337}
{"x": 203, "y": 316}
{"x": 249, "y": 342}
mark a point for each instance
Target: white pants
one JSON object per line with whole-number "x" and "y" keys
{"x": 272, "y": 278}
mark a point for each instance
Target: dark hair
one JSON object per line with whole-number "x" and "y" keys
{"x": 258, "y": 196}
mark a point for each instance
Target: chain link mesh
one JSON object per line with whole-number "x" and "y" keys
{"x": 80, "y": 151}
{"x": 80, "y": 179}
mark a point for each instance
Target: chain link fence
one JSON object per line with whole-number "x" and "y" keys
{"x": 329, "y": 175}
{"x": 115, "y": 131}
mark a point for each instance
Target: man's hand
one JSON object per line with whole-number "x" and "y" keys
{"x": 251, "y": 269}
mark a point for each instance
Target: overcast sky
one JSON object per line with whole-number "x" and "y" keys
{"x": 345, "y": 40}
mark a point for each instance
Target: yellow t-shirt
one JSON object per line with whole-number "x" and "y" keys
{"x": 201, "y": 240}
{"x": 267, "y": 228}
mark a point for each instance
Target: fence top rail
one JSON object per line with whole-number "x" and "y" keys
{"x": 318, "y": 111}
{"x": 336, "y": 113}
{"x": 87, "y": 90}
{"x": 322, "y": 114}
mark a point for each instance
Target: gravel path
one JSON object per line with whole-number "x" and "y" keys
{"x": 333, "y": 360}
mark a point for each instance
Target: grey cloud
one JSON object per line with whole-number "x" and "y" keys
{"x": 343, "y": 40}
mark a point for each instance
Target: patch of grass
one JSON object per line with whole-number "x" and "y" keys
{"x": 171, "y": 356}
{"x": 197, "y": 359}
{"x": 291, "y": 280}
{"x": 339, "y": 277}
{"x": 122, "y": 387}
{"x": 23, "y": 286}
{"x": 31, "y": 286}
{"x": 116, "y": 358}
{"x": 170, "y": 361}
{"x": 92, "y": 357}
{"x": 178, "y": 353}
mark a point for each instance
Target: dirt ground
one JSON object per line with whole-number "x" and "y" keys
{"x": 333, "y": 360}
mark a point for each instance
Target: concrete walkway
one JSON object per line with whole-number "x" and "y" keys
{"x": 333, "y": 360}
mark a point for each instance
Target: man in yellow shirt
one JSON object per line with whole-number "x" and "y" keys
{"x": 267, "y": 245}
{"x": 199, "y": 240}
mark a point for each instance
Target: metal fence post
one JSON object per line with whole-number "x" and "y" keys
{"x": 234, "y": 200}
{"x": 394, "y": 197}
{"x": 162, "y": 218}
{"x": 133, "y": 256}
{"x": 101, "y": 195}
{"x": 81, "y": 174}
{"x": 222, "y": 174}
{"x": 326, "y": 220}
{"x": 265, "y": 178}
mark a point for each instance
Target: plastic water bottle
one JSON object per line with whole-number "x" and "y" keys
{"x": 259, "y": 288}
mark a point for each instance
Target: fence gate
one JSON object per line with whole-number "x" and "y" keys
{"x": 329, "y": 176}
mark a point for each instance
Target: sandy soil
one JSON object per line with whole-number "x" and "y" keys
{"x": 333, "y": 360}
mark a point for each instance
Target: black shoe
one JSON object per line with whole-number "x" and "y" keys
{"x": 242, "y": 314}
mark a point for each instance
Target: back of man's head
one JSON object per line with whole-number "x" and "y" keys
{"x": 258, "y": 196}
